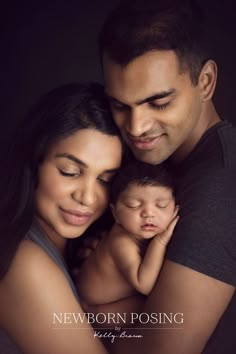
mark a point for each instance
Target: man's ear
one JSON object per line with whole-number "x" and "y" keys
{"x": 207, "y": 80}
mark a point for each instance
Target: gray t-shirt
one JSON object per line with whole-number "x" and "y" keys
{"x": 205, "y": 236}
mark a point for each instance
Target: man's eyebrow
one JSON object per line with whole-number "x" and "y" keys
{"x": 72, "y": 158}
{"x": 81, "y": 163}
{"x": 156, "y": 96}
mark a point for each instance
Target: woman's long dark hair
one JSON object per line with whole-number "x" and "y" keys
{"x": 57, "y": 115}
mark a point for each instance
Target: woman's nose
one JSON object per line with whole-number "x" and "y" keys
{"x": 85, "y": 193}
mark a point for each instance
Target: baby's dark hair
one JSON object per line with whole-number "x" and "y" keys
{"x": 142, "y": 174}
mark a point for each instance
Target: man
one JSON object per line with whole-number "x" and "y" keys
{"x": 160, "y": 82}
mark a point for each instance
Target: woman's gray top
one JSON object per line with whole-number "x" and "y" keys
{"x": 36, "y": 235}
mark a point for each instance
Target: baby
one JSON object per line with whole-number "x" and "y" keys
{"x": 129, "y": 258}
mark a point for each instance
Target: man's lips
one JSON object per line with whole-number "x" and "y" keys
{"x": 75, "y": 217}
{"x": 146, "y": 143}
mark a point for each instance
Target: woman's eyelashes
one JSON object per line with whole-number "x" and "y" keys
{"x": 69, "y": 173}
{"x": 103, "y": 180}
{"x": 106, "y": 180}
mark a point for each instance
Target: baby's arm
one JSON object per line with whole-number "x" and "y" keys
{"x": 141, "y": 273}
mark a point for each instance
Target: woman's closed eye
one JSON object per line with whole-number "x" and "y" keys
{"x": 106, "y": 180}
{"x": 69, "y": 173}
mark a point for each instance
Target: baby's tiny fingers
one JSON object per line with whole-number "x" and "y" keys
{"x": 176, "y": 211}
{"x": 173, "y": 223}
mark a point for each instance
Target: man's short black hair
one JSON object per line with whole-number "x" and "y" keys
{"x": 140, "y": 26}
{"x": 142, "y": 174}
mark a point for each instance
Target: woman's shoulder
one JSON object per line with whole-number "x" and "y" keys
{"x": 31, "y": 269}
{"x": 34, "y": 278}
{"x": 31, "y": 272}
{"x": 33, "y": 290}
{"x": 30, "y": 258}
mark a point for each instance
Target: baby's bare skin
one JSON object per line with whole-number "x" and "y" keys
{"x": 103, "y": 274}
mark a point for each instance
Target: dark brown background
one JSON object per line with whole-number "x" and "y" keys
{"x": 47, "y": 44}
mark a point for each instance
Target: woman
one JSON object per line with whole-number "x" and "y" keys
{"x": 55, "y": 185}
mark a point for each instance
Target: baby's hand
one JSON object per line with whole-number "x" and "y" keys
{"x": 165, "y": 236}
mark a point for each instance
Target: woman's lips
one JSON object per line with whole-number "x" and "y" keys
{"x": 75, "y": 217}
{"x": 147, "y": 143}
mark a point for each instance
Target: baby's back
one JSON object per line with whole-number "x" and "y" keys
{"x": 100, "y": 280}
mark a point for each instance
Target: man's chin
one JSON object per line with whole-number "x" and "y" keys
{"x": 148, "y": 157}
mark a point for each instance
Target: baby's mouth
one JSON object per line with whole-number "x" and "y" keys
{"x": 148, "y": 226}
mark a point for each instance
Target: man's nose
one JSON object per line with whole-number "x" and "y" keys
{"x": 138, "y": 122}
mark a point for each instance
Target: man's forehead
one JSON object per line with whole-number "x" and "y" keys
{"x": 158, "y": 68}
{"x": 135, "y": 84}
{"x": 160, "y": 59}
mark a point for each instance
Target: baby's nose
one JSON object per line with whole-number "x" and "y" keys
{"x": 147, "y": 213}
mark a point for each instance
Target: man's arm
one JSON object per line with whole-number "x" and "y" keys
{"x": 179, "y": 289}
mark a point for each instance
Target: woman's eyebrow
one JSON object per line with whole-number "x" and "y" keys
{"x": 112, "y": 170}
{"x": 72, "y": 158}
